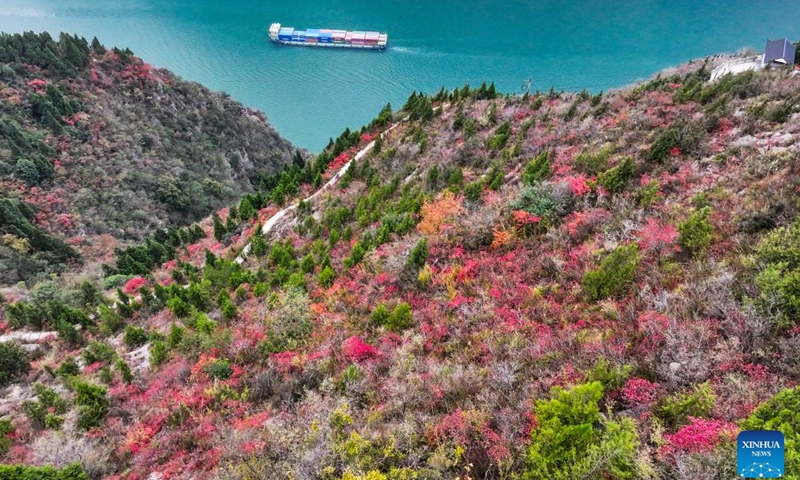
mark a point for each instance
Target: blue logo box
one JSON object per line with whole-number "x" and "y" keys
{"x": 759, "y": 454}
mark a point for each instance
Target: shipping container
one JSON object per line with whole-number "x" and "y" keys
{"x": 327, "y": 37}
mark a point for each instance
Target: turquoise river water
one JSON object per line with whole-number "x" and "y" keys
{"x": 312, "y": 94}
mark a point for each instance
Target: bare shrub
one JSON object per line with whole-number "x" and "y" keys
{"x": 60, "y": 449}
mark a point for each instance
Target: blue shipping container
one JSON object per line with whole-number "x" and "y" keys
{"x": 286, "y": 31}
{"x": 325, "y": 39}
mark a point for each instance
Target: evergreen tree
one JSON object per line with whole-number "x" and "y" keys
{"x": 219, "y": 228}
{"x": 97, "y": 47}
{"x": 246, "y": 210}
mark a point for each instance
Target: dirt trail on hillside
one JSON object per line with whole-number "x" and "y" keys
{"x": 273, "y": 220}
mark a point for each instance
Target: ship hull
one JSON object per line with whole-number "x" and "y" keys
{"x": 313, "y": 37}
{"x": 330, "y": 45}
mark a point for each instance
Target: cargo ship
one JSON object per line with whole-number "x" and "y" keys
{"x": 322, "y": 37}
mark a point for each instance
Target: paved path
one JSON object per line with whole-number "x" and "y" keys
{"x": 273, "y": 220}
{"x": 737, "y": 65}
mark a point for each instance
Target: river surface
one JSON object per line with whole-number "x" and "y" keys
{"x": 312, "y": 94}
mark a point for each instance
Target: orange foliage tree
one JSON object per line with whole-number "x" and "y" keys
{"x": 434, "y": 214}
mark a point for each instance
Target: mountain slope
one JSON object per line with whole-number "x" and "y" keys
{"x": 98, "y": 142}
{"x": 550, "y": 286}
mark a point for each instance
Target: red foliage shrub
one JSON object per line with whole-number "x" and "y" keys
{"x": 133, "y": 285}
{"x": 339, "y": 162}
{"x": 37, "y": 84}
{"x": 356, "y": 350}
{"x": 638, "y": 391}
{"x": 578, "y": 185}
{"x": 470, "y": 429}
{"x": 523, "y": 218}
{"x": 700, "y": 436}
{"x": 657, "y": 237}
{"x": 253, "y": 421}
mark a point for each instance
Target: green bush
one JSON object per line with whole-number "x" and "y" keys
{"x": 572, "y": 440}
{"x": 380, "y": 315}
{"x": 124, "y": 370}
{"x": 68, "y": 368}
{"x": 397, "y": 320}
{"x": 696, "y": 403}
{"x": 473, "y": 192}
{"x": 593, "y": 162}
{"x": 537, "y": 169}
{"x": 219, "y": 370}
{"x": 418, "y": 256}
{"x": 22, "y": 472}
{"x": 778, "y": 258}
{"x": 203, "y": 324}
{"x": 178, "y": 307}
{"x": 683, "y": 135}
{"x": 6, "y": 428}
{"x": 494, "y": 177}
{"x": 326, "y": 277}
{"x": 159, "y": 353}
{"x": 176, "y": 333}
{"x": 500, "y": 138}
{"x": 134, "y": 336}
{"x": 613, "y": 275}
{"x": 14, "y": 363}
{"x": 615, "y": 178}
{"x": 401, "y": 318}
{"x": 53, "y": 421}
{"x": 46, "y": 400}
{"x": 98, "y": 352}
{"x": 781, "y": 413}
{"x": 539, "y": 200}
{"x": 696, "y": 231}
{"x": 229, "y": 310}
{"x": 93, "y": 404}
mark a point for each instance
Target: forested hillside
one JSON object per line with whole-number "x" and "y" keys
{"x": 549, "y": 286}
{"x": 97, "y": 142}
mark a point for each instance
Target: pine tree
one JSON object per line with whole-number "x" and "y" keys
{"x": 298, "y": 159}
{"x": 98, "y": 47}
{"x": 219, "y": 228}
{"x": 246, "y": 210}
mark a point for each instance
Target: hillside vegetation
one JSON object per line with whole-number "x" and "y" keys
{"x": 97, "y": 142}
{"x": 548, "y": 286}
